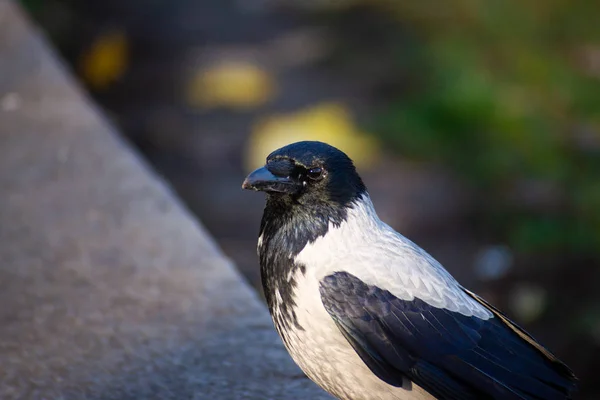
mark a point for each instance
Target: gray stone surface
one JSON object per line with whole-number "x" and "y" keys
{"x": 109, "y": 289}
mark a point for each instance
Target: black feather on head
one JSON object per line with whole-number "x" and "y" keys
{"x": 325, "y": 174}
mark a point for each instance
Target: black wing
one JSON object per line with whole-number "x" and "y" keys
{"x": 450, "y": 355}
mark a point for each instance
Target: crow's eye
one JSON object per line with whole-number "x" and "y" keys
{"x": 315, "y": 173}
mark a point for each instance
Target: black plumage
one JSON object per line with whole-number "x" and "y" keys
{"x": 451, "y": 355}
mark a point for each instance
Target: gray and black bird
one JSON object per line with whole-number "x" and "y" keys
{"x": 365, "y": 312}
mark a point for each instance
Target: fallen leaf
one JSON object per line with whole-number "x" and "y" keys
{"x": 237, "y": 85}
{"x": 106, "y": 60}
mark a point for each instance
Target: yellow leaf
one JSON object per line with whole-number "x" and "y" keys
{"x": 106, "y": 60}
{"x": 327, "y": 122}
{"x": 239, "y": 85}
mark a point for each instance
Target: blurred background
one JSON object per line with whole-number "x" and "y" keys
{"x": 476, "y": 126}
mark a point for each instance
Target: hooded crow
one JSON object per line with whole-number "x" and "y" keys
{"x": 365, "y": 312}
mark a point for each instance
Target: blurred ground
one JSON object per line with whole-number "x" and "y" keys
{"x": 205, "y": 89}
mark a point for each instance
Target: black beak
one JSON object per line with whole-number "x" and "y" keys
{"x": 265, "y": 181}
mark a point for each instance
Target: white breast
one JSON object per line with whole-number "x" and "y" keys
{"x": 326, "y": 356}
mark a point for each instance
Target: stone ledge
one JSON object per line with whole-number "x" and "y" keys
{"x": 109, "y": 288}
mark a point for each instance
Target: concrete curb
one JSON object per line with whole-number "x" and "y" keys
{"x": 109, "y": 288}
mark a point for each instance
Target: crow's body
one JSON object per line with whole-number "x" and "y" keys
{"x": 369, "y": 315}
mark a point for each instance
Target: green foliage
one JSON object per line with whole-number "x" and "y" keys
{"x": 507, "y": 90}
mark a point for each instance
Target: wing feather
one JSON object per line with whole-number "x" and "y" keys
{"x": 449, "y": 354}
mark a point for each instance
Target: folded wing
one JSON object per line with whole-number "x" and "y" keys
{"x": 451, "y": 355}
